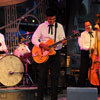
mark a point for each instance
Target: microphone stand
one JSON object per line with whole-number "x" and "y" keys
{"x": 90, "y": 53}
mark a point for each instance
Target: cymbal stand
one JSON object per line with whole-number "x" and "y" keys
{"x": 27, "y": 77}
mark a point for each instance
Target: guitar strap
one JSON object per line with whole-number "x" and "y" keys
{"x": 56, "y": 25}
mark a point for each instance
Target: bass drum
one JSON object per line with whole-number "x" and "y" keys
{"x": 11, "y": 70}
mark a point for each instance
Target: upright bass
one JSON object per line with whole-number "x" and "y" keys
{"x": 94, "y": 70}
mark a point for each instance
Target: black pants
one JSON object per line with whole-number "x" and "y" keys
{"x": 84, "y": 66}
{"x": 54, "y": 64}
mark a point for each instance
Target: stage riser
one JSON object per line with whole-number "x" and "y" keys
{"x": 76, "y": 93}
{"x": 18, "y": 95}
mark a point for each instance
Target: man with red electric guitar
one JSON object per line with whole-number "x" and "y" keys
{"x": 47, "y": 53}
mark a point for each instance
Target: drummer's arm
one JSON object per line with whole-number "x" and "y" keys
{"x": 4, "y": 47}
{"x": 6, "y": 50}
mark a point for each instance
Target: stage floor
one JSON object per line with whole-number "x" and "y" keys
{"x": 18, "y": 88}
{"x": 18, "y": 93}
{"x": 29, "y": 91}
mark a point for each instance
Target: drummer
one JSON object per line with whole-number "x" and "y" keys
{"x": 3, "y": 47}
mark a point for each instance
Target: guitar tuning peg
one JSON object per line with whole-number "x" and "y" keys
{"x": 75, "y": 32}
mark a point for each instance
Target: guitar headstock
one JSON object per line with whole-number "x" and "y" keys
{"x": 76, "y": 34}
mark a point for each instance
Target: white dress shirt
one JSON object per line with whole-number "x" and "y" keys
{"x": 86, "y": 41}
{"x": 42, "y": 34}
{"x": 2, "y": 42}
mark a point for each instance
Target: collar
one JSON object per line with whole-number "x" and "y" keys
{"x": 48, "y": 23}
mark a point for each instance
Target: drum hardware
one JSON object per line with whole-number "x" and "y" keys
{"x": 25, "y": 57}
{"x": 11, "y": 73}
{"x": 27, "y": 77}
{"x": 26, "y": 40}
{"x": 23, "y": 52}
{"x": 27, "y": 33}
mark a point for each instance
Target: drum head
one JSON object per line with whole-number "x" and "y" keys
{"x": 11, "y": 70}
{"x": 21, "y": 50}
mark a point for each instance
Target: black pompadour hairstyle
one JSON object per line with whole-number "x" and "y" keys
{"x": 51, "y": 12}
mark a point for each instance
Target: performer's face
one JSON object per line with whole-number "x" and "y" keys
{"x": 51, "y": 20}
{"x": 88, "y": 26}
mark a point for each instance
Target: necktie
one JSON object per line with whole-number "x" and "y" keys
{"x": 51, "y": 29}
{"x": 91, "y": 34}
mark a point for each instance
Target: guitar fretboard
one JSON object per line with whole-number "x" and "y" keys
{"x": 68, "y": 38}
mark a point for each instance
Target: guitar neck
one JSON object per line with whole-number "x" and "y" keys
{"x": 59, "y": 42}
{"x": 68, "y": 38}
{"x": 55, "y": 44}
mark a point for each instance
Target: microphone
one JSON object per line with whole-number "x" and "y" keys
{"x": 90, "y": 32}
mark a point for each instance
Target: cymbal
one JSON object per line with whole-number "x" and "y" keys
{"x": 10, "y": 2}
{"x": 27, "y": 33}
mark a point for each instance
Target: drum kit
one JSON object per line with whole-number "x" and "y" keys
{"x": 13, "y": 67}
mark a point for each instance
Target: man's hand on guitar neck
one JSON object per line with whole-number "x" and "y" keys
{"x": 45, "y": 46}
{"x": 64, "y": 42}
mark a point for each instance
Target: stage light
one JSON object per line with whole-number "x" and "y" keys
{"x": 26, "y": 20}
{"x": 33, "y": 20}
{"x": 58, "y": 0}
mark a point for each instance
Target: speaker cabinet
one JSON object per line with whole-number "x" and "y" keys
{"x": 76, "y": 93}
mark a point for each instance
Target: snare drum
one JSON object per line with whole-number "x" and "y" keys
{"x": 11, "y": 70}
{"x": 21, "y": 50}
